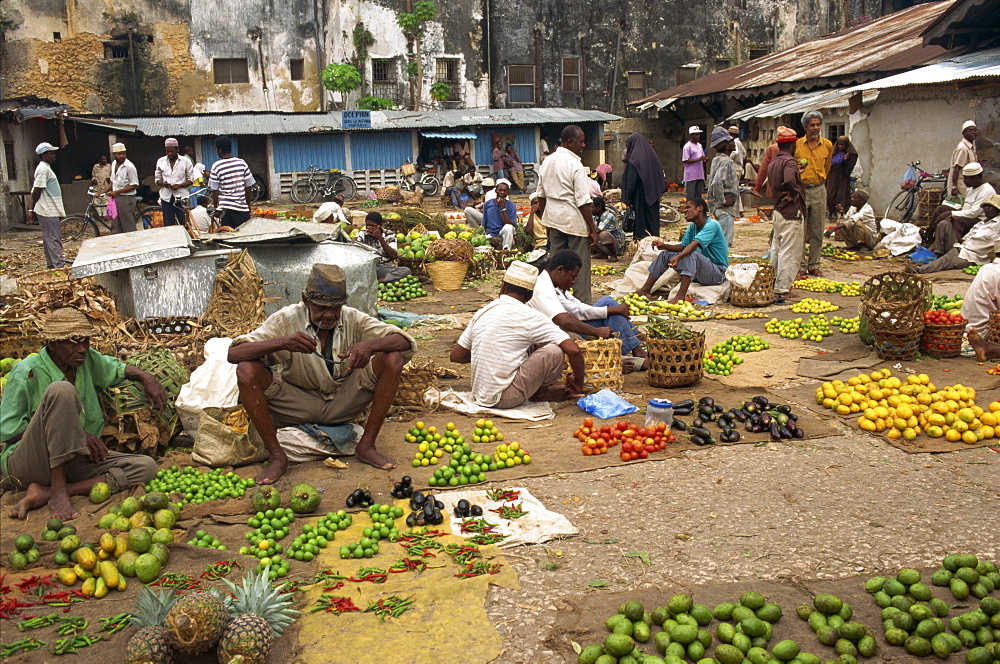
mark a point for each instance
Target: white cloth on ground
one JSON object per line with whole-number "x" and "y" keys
{"x": 464, "y": 402}
{"x": 537, "y": 526}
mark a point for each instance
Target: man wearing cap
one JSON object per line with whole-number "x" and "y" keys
{"x": 858, "y": 225}
{"x": 320, "y": 362}
{"x": 964, "y": 154}
{"x": 788, "y": 232}
{"x": 724, "y": 184}
{"x": 816, "y": 155}
{"x": 516, "y": 352}
{"x": 331, "y": 212}
{"x": 230, "y": 181}
{"x": 172, "y": 174}
{"x": 124, "y": 182}
{"x": 974, "y": 248}
{"x": 534, "y": 226}
{"x": 981, "y": 301}
{"x": 51, "y": 420}
{"x": 45, "y": 206}
{"x": 565, "y": 201}
{"x": 693, "y": 157}
{"x": 383, "y": 242}
{"x": 977, "y": 190}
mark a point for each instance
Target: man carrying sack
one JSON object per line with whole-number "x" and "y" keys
{"x": 320, "y": 362}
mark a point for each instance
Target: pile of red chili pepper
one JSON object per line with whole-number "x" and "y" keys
{"x": 220, "y": 569}
{"x": 334, "y": 604}
{"x": 463, "y": 554}
{"x": 176, "y": 581}
{"x": 408, "y": 565}
{"x": 373, "y": 574}
{"x": 479, "y": 568}
{"x": 485, "y": 531}
{"x": 503, "y": 495}
{"x": 421, "y": 542}
{"x": 392, "y": 606}
{"x": 510, "y": 511}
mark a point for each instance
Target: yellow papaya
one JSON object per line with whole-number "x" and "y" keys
{"x": 81, "y": 573}
{"x": 109, "y": 573}
{"x": 108, "y": 542}
{"x": 100, "y": 589}
{"x": 86, "y": 558}
{"x": 103, "y": 555}
{"x": 66, "y": 576}
{"x": 121, "y": 545}
{"x": 88, "y": 587}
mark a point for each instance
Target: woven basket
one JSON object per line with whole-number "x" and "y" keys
{"x": 183, "y": 337}
{"x": 408, "y": 169}
{"x": 602, "y": 363}
{"x": 894, "y": 302}
{"x": 238, "y": 297}
{"x": 612, "y": 195}
{"x": 892, "y": 345}
{"x": 45, "y": 277}
{"x": 415, "y": 197}
{"x": 993, "y": 331}
{"x": 416, "y": 265}
{"x": 675, "y": 362}
{"x": 447, "y": 275}
{"x": 19, "y": 339}
{"x": 388, "y": 194}
{"x": 942, "y": 340}
{"x": 761, "y": 290}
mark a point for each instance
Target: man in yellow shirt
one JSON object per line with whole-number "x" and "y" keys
{"x": 815, "y": 154}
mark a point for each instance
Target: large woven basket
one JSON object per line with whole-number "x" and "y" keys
{"x": 901, "y": 345}
{"x": 602, "y": 363}
{"x": 45, "y": 277}
{"x": 416, "y": 265}
{"x": 388, "y": 194}
{"x": 415, "y": 197}
{"x": 408, "y": 169}
{"x": 894, "y": 302}
{"x": 447, "y": 275}
{"x": 942, "y": 340}
{"x": 993, "y": 331}
{"x": 761, "y": 290}
{"x": 19, "y": 339}
{"x": 675, "y": 362}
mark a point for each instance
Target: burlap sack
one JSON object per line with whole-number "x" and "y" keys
{"x": 218, "y": 445}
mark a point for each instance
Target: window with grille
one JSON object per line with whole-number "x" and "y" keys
{"x": 8, "y": 151}
{"x": 231, "y": 70}
{"x": 636, "y": 85}
{"x": 115, "y": 50}
{"x": 835, "y": 131}
{"x": 759, "y": 51}
{"x": 446, "y": 71}
{"x": 685, "y": 74}
{"x": 383, "y": 70}
{"x": 521, "y": 84}
{"x": 571, "y": 74}
{"x": 297, "y": 69}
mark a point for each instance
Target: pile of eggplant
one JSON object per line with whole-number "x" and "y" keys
{"x": 466, "y": 510}
{"x": 426, "y": 510}
{"x": 360, "y": 498}
{"x": 403, "y": 488}
{"x": 757, "y": 416}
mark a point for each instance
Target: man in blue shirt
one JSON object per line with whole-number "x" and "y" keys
{"x": 500, "y": 217}
{"x": 702, "y": 255}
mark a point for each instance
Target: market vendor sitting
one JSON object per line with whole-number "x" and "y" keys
{"x": 701, "y": 256}
{"x": 51, "y": 420}
{"x": 977, "y": 191}
{"x": 500, "y": 217}
{"x": 981, "y": 301}
{"x": 331, "y": 212}
{"x": 383, "y": 241}
{"x": 320, "y": 362}
{"x": 859, "y": 228}
{"x": 606, "y": 317}
{"x": 975, "y": 247}
{"x": 516, "y": 352}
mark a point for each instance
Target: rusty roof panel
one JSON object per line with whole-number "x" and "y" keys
{"x": 891, "y": 43}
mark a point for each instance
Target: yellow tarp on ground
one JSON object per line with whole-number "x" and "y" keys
{"x": 446, "y": 624}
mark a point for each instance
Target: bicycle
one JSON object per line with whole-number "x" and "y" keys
{"x": 904, "y": 204}
{"x": 306, "y": 189}
{"x": 79, "y": 227}
{"x": 427, "y": 180}
{"x": 181, "y": 207}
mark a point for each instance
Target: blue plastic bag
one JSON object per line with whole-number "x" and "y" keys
{"x": 922, "y": 255}
{"x": 605, "y": 405}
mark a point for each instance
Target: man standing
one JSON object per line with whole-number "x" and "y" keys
{"x": 789, "y": 206}
{"x": 816, "y": 153}
{"x": 51, "y": 420}
{"x": 565, "y": 203}
{"x": 964, "y": 154}
{"x": 383, "y": 242}
{"x": 515, "y": 351}
{"x": 739, "y": 155}
{"x": 172, "y": 174}
{"x": 46, "y": 205}
{"x": 693, "y": 157}
{"x": 100, "y": 177}
{"x": 769, "y": 153}
{"x": 500, "y": 217}
{"x": 320, "y": 362}
{"x": 124, "y": 182}
{"x": 723, "y": 184}
{"x": 543, "y": 148}
{"x": 230, "y": 182}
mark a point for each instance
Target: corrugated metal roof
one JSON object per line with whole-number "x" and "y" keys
{"x": 216, "y": 124}
{"x": 891, "y": 43}
{"x": 984, "y": 64}
{"x": 972, "y": 22}
{"x": 799, "y": 102}
{"x": 448, "y": 134}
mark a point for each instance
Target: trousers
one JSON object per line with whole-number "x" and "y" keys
{"x": 579, "y": 245}
{"x": 620, "y": 325}
{"x": 543, "y": 367}
{"x": 786, "y": 250}
{"x": 815, "y": 218}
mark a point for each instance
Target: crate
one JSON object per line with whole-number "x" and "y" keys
{"x": 928, "y": 200}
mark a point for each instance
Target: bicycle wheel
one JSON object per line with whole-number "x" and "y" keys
{"x": 256, "y": 191}
{"x": 903, "y": 206}
{"x": 77, "y": 228}
{"x": 346, "y": 187}
{"x": 431, "y": 186}
{"x": 304, "y": 190}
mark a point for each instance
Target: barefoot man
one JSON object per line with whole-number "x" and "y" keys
{"x": 50, "y": 420}
{"x": 319, "y": 362}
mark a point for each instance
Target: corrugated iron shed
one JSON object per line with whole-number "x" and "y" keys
{"x": 972, "y": 23}
{"x": 244, "y": 124}
{"x": 889, "y": 44}
{"x": 983, "y": 64}
{"x": 799, "y": 102}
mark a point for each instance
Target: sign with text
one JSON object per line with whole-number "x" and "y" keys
{"x": 356, "y": 119}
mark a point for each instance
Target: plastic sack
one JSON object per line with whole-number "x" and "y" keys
{"x": 909, "y": 178}
{"x": 111, "y": 212}
{"x": 922, "y": 255}
{"x": 900, "y": 238}
{"x": 606, "y": 405}
{"x": 742, "y": 274}
{"x": 212, "y": 385}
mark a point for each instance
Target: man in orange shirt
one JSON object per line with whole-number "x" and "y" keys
{"x": 816, "y": 154}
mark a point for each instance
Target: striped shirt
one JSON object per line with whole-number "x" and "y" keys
{"x": 230, "y": 177}
{"x": 500, "y": 337}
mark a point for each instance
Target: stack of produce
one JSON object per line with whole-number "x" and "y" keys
{"x": 722, "y": 357}
{"x": 830, "y": 618}
{"x": 823, "y": 285}
{"x": 197, "y": 485}
{"x": 814, "y": 329}
{"x": 811, "y": 306}
{"x": 640, "y": 305}
{"x": 403, "y": 290}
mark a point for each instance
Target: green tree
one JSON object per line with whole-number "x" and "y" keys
{"x": 440, "y": 91}
{"x": 375, "y": 104}
{"x": 342, "y": 78}
{"x": 414, "y": 25}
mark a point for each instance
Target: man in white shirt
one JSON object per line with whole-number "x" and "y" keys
{"x": 543, "y": 148}
{"x": 200, "y": 216}
{"x": 964, "y": 154}
{"x": 516, "y": 352}
{"x": 975, "y": 247}
{"x": 474, "y": 212}
{"x": 606, "y": 317}
{"x": 46, "y": 205}
{"x": 981, "y": 300}
{"x": 331, "y": 212}
{"x": 859, "y": 226}
{"x": 977, "y": 191}
{"x": 124, "y": 182}
{"x": 564, "y": 200}
{"x": 173, "y": 173}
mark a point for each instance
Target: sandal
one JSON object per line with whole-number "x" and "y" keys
{"x": 816, "y": 272}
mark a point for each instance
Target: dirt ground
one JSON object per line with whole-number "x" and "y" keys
{"x": 799, "y": 513}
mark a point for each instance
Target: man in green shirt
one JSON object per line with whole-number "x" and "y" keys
{"x": 51, "y": 420}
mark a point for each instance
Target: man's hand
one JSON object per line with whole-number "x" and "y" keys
{"x": 618, "y": 310}
{"x": 155, "y": 395}
{"x": 575, "y": 386}
{"x": 840, "y": 208}
{"x": 593, "y": 237}
{"x": 602, "y": 332}
{"x": 954, "y": 190}
{"x": 358, "y": 356}
{"x": 756, "y": 193}
{"x": 98, "y": 452}
{"x": 300, "y": 342}
{"x": 673, "y": 262}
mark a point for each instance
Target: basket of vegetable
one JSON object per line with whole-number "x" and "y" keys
{"x": 942, "y": 334}
{"x": 447, "y": 262}
{"x": 675, "y": 353}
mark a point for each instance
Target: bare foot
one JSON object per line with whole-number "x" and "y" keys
{"x": 984, "y": 351}
{"x": 276, "y": 467}
{"x": 553, "y": 392}
{"x": 36, "y": 496}
{"x": 367, "y": 453}
{"x": 60, "y": 507}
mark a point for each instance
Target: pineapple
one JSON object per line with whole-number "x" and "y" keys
{"x": 149, "y": 645}
{"x": 259, "y": 614}
{"x": 195, "y": 622}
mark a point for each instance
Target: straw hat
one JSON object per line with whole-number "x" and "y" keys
{"x": 326, "y": 286}
{"x": 67, "y": 323}
{"x": 521, "y": 274}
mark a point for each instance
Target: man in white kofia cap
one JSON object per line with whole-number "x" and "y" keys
{"x": 173, "y": 176}
{"x": 978, "y": 190}
{"x": 515, "y": 351}
{"x": 965, "y": 153}
{"x": 124, "y": 183}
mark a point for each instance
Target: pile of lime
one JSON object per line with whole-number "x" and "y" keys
{"x": 465, "y": 467}
{"x": 206, "y": 541}
{"x": 270, "y": 525}
{"x": 486, "y": 432}
{"x": 307, "y": 545}
{"x": 847, "y": 325}
{"x": 198, "y": 486}
{"x": 383, "y": 522}
{"x": 813, "y": 329}
{"x": 811, "y": 306}
{"x": 722, "y": 357}
{"x": 404, "y": 290}
{"x": 830, "y": 618}
{"x": 511, "y": 455}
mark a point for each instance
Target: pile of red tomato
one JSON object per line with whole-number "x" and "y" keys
{"x": 636, "y": 443}
{"x": 942, "y": 317}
